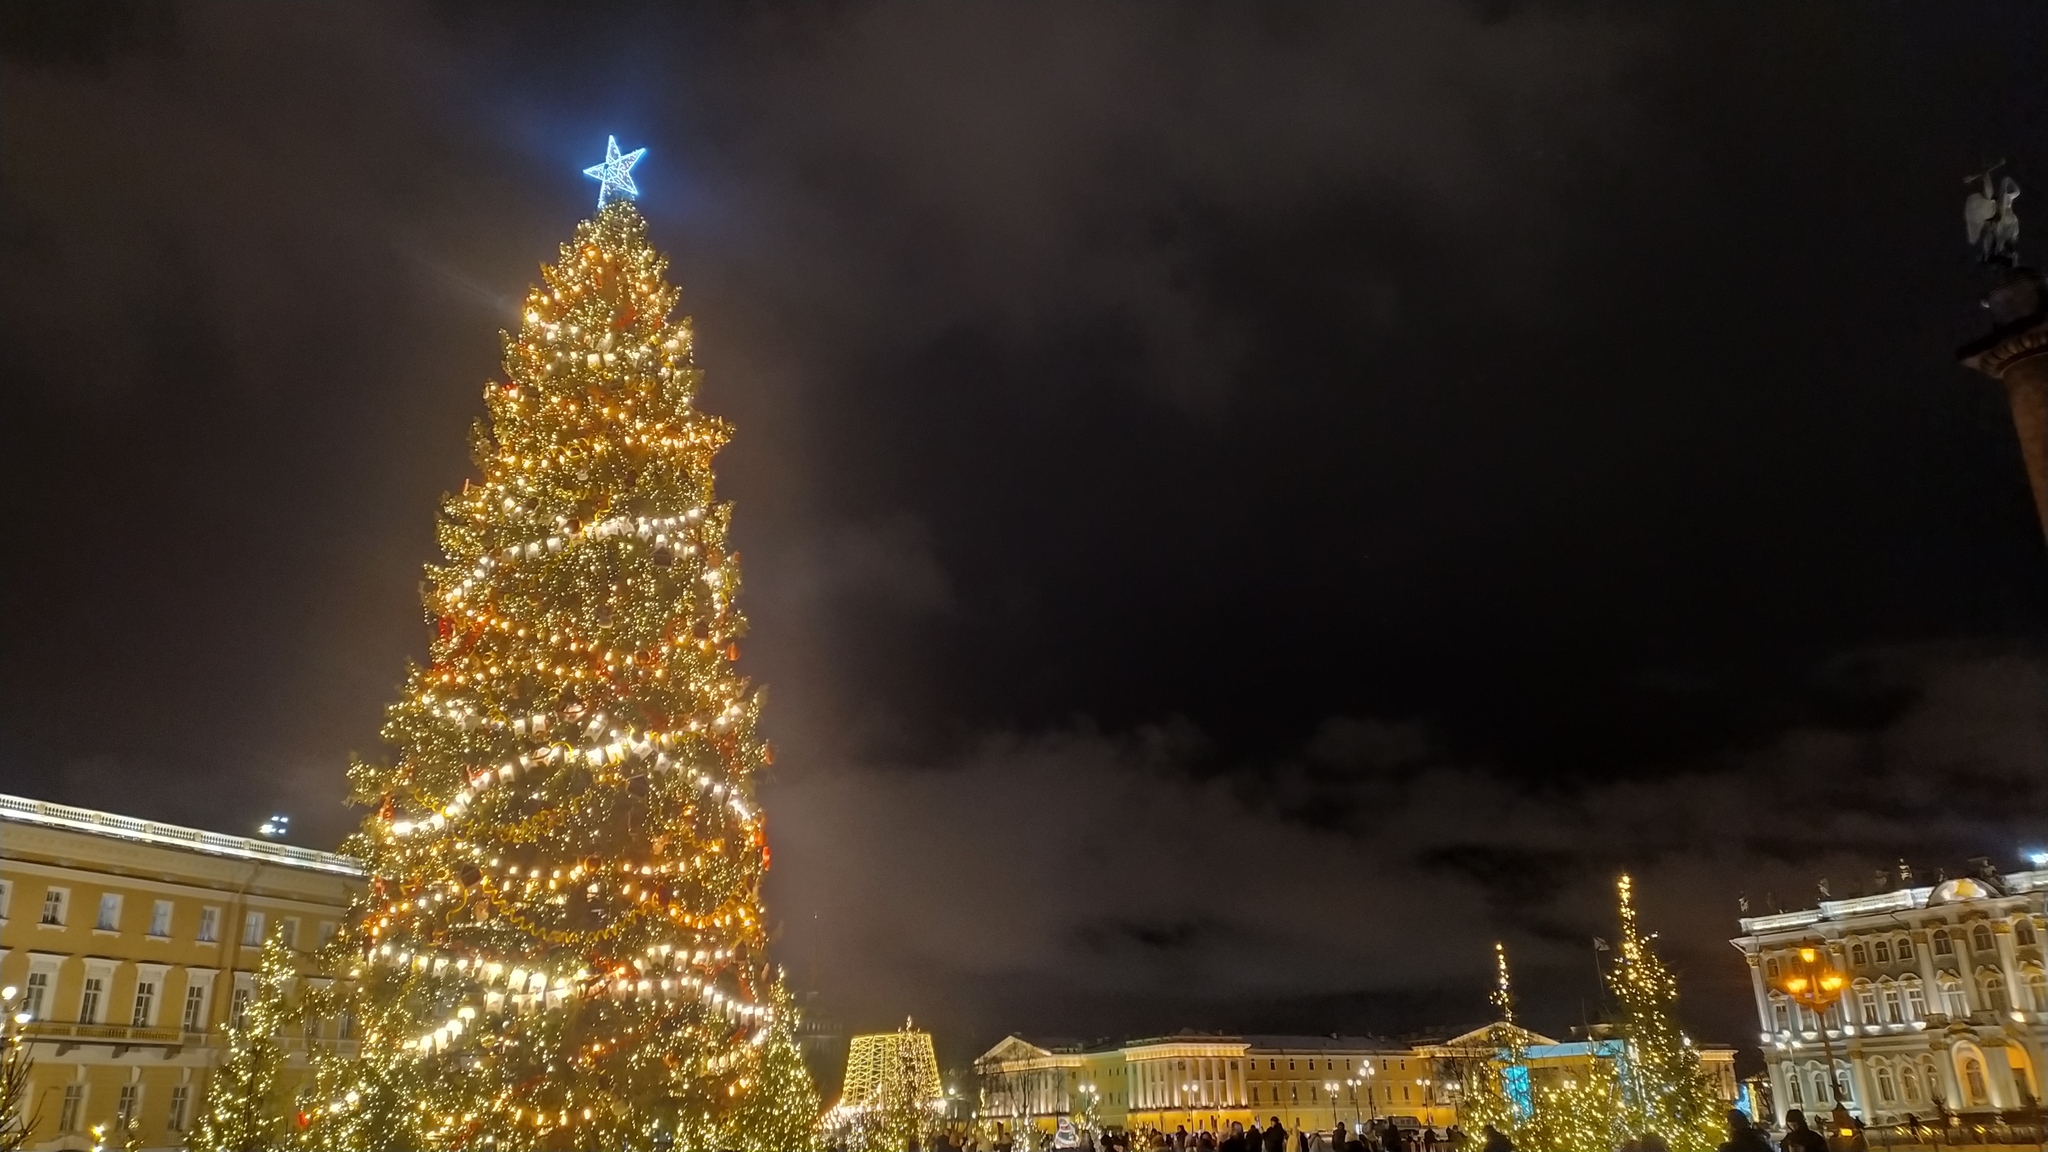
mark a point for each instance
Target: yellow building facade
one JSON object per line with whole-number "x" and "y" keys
{"x": 1207, "y": 1082}
{"x": 132, "y": 944}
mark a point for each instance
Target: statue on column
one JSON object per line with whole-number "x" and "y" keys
{"x": 1991, "y": 219}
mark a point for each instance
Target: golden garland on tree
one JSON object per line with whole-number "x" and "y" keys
{"x": 562, "y": 944}
{"x": 1648, "y": 1078}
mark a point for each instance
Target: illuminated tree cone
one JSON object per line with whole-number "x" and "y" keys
{"x": 1652, "y": 1081}
{"x": 562, "y": 943}
{"x": 1663, "y": 1086}
{"x": 244, "y": 1109}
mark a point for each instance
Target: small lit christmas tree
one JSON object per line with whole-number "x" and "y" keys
{"x": 562, "y": 945}
{"x": 245, "y": 1111}
{"x": 1664, "y": 1087}
{"x": 1646, "y": 1078}
{"x": 1496, "y": 1089}
{"x": 17, "y": 1066}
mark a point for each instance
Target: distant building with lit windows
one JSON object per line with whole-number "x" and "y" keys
{"x": 1945, "y": 1002}
{"x": 132, "y": 944}
{"x": 1205, "y": 1082}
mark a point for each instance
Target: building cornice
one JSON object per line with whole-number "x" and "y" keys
{"x": 43, "y": 813}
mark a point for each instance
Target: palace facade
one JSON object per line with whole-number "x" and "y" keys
{"x": 1202, "y": 1081}
{"x": 1944, "y": 1004}
{"x": 132, "y": 944}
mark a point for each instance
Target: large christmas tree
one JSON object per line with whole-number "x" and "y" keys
{"x": 562, "y": 945}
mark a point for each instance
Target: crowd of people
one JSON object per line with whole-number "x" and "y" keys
{"x": 1377, "y": 1136}
{"x": 1382, "y": 1136}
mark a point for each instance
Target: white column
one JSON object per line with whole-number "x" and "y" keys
{"x": 1763, "y": 999}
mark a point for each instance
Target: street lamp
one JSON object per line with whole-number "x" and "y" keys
{"x": 1372, "y": 1110}
{"x": 1188, "y": 1091}
{"x": 1815, "y": 984}
{"x": 1330, "y": 1089}
{"x": 1428, "y": 1102}
{"x": 1353, "y": 1082}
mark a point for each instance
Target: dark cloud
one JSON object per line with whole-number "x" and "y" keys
{"x": 1243, "y": 507}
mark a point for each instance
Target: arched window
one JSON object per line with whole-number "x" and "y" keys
{"x": 1973, "y": 1081}
{"x": 1993, "y": 987}
{"x": 1916, "y": 999}
{"x": 1942, "y": 946}
{"x": 1820, "y": 1087}
{"x": 1909, "y": 1084}
{"x": 2023, "y": 932}
{"x": 1881, "y": 951}
{"x": 1887, "y": 1087}
{"x": 1858, "y": 955}
{"x": 1893, "y": 1012}
{"x": 1980, "y": 938}
{"x": 1866, "y": 1001}
{"x": 2037, "y": 989}
{"x": 1771, "y": 968}
{"x": 1794, "y": 1092}
{"x": 1905, "y": 948}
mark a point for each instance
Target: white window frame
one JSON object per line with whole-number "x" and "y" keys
{"x": 71, "y": 1111}
{"x": 160, "y": 914}
{"x": 252, "y": 929}
{"x": 6, "y": 900}
{"x": 102, "y": 971}
{"x": 200, "y": 980}
{"x": 288, "y": 928}
{"x": 243, "y": 995}
{"x": 208, "y": 931}
{"x": 152, "y": 977}
{"x": 63, "y": 896}
{"x": 48, "y": 965}
{"x": 181, "y": 1106}
{"x": 128, "y": 1105}
{"x": 108, "y": 918}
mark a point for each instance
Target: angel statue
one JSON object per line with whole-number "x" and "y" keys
{"x": 1993, "y": 224}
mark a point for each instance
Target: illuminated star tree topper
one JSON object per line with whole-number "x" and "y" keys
{"x": 616, "y": 173}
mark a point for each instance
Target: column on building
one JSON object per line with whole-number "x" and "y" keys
{"x": 1951, "y": 1083}
{"x": 1998, "y": 1076}
{"x": 1781, "y": 1093}
{"x": 1763, "y": 999}
{"x": 1923, "y": 947}
{"x": 1859, "y": 1079}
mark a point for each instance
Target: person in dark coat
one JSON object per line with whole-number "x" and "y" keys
{"x": 1496, "y": 1141}
{"x": 1276, "y": 1136}
{"x": 1800, "y": 1138}
{"x": 1742, "y": 1135}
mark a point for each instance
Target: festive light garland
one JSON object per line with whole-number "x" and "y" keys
{"x": 1648, "y": 1079}
{"x": 562, "y": 943}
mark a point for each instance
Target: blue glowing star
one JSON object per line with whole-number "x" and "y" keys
{"x": 616, "y": 173}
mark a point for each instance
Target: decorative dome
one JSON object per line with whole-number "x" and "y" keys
{"x": 1958, "y": 890}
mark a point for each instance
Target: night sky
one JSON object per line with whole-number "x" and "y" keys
{"x": 1242, "y": 507}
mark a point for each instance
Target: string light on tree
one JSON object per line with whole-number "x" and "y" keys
{"x": 1647, "y": 1077}
{"x": 562, "y": 944}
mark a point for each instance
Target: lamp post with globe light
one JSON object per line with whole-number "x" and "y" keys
{"x": 1816, "y": 985}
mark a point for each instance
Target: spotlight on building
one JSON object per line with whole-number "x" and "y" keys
{"x": 276, "y": 828}
{"x": 2038, "y": 857}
